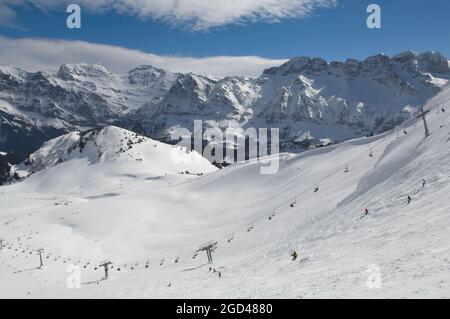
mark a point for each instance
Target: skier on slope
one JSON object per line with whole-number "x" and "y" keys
{"x": 294, "y": 255}
{"x": 366, "y": 212}
{"x": 409, "y": 200}
{"x": 424, "y": 182}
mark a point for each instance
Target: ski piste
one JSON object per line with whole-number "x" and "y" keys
{"x": 325, "y": 228}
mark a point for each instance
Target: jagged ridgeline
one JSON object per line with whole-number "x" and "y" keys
{"x": 313, "y": 102}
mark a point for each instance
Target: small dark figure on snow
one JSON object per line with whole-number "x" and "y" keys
{"x": 210, "y": 269}
{"x": 406, "y": 132}
{"x": 294, "y": 255}
{"x": 220, "y": 274}
{"x": 443, "y": 110}
{"x": 366, "y": 212}
{"x": 409, "y": 200}
{"x": 424, "y": 183}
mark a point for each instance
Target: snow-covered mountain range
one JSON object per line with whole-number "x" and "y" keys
{"x": 313, "y": 102}
{"x": 110, "y": 194}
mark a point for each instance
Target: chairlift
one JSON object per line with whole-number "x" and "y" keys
{"x": 293, "y": 202}
{"x": 316, "y": 188}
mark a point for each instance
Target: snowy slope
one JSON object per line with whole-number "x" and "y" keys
{"x": 105, "y": 157}
{"x": 145, "y": 221}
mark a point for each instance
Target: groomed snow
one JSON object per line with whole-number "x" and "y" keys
{"x": 85, "y": 210}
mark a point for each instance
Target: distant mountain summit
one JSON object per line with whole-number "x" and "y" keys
{"x": 312, "y": 101}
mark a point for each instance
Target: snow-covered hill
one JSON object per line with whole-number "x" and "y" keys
{"x": 150, "y": 228}
{"x": 105, "y": 157}
{"x": 311, "y": 101}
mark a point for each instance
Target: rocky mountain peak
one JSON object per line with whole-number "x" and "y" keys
{"x": 435, "y": 62}
{"x": 73, "y": 72}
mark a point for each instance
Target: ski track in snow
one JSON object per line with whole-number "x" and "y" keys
{"x": 137, "y": 219}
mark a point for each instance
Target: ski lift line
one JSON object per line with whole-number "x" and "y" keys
{"x": 380, "y": 188}
{"x": 288, "y": 202}
{"x": 283, "y": 204}
{"x": 415, "y": 119}
{"x": 277, "y": 208}
{"x": 397, "y": 128}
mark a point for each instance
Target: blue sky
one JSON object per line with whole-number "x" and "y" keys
{"x": 331, "y": 33}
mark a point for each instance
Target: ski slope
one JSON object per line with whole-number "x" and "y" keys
{"x": 151, "y": 224}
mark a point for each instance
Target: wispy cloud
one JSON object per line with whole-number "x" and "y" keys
{"x": 7, "y": 14}
{"x": 48, "y": 55}
{"x": 193, "y": 14}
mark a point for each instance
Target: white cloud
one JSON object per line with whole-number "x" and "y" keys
{"x": 194, "y": 14}
{"x": 48, "y": 55}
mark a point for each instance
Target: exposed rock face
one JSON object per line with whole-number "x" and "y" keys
{"x": 5, "y": 169}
